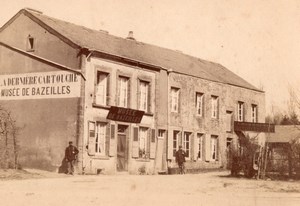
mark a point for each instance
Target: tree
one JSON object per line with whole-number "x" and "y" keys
{"x": 9, "y": 147}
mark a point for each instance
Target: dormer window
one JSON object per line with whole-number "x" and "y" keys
{"x": 30, "y": 43}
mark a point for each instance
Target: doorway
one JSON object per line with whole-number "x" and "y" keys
{"x": 122, "y": 148}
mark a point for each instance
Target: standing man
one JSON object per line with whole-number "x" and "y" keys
{"x": 70, "y": 156}
{"x": 180, "y": 159}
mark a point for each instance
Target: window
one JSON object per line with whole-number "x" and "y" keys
{"x": 123, "y": 91}
{"x": 176, "y": 138}
{"x": 186, "y": 143}
{"x": 101, "y": 88}
{"x": 199, "y": 147}
{"x": 254, "y": 113}
{"x": 161, "y": 133}
{"x": 214, "y": 107}
{"x": 214, "y": 147}
{"x": 30, "y": 43}
{"x": 174, "y": 99}
{"x": 143, "y": 143}
{"x": 144, "y": 98}
{"x": 240, "y": 111}
{"x": 199, "y": 104}
{"x": 228, "y": 121}
{"x": 100, "y": 138}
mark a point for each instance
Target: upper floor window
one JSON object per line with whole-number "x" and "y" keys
{"x": 214, "y": 107}
{"x": 101, "y": 88}
{"x": 174, "y": 99}
{"x": 253, "y": 113}
{"x": 123, "y": 93}
{"x": 144, "y": 96}
{"x": 240, "y": 112}
{"x": 229, "y": 121}
{"x": 199, "y": 104}
{"x": 30, "y": 43}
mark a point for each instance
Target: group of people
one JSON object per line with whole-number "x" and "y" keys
{"x": 71, "y": 154}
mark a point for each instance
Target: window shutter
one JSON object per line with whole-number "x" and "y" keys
{"x": 148, "y": 143}
{"x": 207, "y": 148}
{"x": 112, "y": 145}
{"x": 217, "y": 149}
{"x": 138, "y": 94}
{"x": 107, "y": 139}
{"x": 149, "y": 98}
{"x": 92, "y": 135}
{"x": 128, "y": 93}
{"x": 108, "y": 90}
{"x": 195, "y": 147}
{"x": 192, "y": 146}
{"x": 118, "y": 92}
{"x": 170, "y": 145}
{"x": 152, "y": 144}
{"x": 135, "y": 143}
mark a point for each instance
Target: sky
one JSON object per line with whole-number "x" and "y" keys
{"x": 259, "y": 40}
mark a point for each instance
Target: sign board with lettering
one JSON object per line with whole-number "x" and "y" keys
{"x": 125, "y": 115}
{"x": 42, "y": 85}
{"x": 254, "y": 127}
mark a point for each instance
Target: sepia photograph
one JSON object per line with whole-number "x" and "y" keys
{"x": 143, "y": 102}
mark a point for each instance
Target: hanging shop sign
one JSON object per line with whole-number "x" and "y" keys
{"x": 43, "y": 85}
{"x": 125, "y": 115}
{"x": 254, "y": 127}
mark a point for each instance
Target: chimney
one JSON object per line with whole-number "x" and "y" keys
{"x": 130, "y": 35}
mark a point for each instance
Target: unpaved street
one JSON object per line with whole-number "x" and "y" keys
{"x": 191, "y": 189}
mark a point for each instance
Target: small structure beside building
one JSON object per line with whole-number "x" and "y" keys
{"x": 280, "y": 158}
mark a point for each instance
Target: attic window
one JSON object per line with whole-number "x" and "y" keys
{"x": 30, "y": 43}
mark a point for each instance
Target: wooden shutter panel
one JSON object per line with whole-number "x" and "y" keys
{"x": 149, "y": 98}
{"x": 170, "y": 145}
{"x": 192, "y": 138}
{"x": 217, "y": 149}
{"x": 107, "y": 139}
{"x": 92, "y": 136}
{"x": 207, "y": 148}
{"x": 108, "y": 100}
{"x": 152, "y": 144}
{"x": 138, "y": 94}
{"x": 135, "y": 143}
{"x": 195, "y": 147}
{"x": 128, "y": 93}
{"x": 112, "y": 145}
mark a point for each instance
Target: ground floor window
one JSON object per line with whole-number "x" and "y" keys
{"x": 143, "y": 143}
{"x": 176, "y": 137}
{"x": 214, "y": 147}
{"x": 186, "y": 143}
{"x": 199, "y": 146}
{"x": 100, "y": 138}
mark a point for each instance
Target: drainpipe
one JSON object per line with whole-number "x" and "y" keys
{"x": 169, "y": 71}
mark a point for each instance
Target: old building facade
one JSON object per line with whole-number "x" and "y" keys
{"x": 127, "y": 105}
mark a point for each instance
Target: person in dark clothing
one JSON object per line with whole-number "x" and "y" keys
{"x": 70, "y": 156}
{"x": 180, "y": 159}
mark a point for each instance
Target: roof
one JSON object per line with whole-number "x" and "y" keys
{"x": 284, "y": 134}
{"x": 141, "y": 52}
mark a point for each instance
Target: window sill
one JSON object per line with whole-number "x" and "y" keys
{"x": 100, "y": 157}
{"x": 142, "y": 160}
{"x": 149, "y": 114}
{"x": 101, "y": 106}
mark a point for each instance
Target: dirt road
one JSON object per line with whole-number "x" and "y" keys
{"x": 125, "y": 190}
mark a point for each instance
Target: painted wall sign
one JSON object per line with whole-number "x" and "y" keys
{"x": 125, "y": 115}
{"x": 58, "y": 84}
